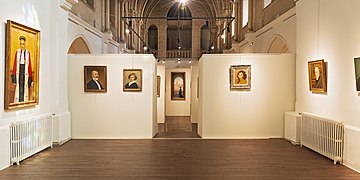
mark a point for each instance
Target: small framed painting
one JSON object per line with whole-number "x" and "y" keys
{"x": 317, "y": 76}
{"x": 132, "y": 80}
{"x": 357, "y": 73}
{"x": 178, "y": 86}
{"x": 240, "y": 77}
{"x": 158, "y": 80}
{"x": 95, "y": 79}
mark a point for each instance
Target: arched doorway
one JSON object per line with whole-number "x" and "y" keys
{"x": 278, "y": 45}
{"x": 79, "y": 46}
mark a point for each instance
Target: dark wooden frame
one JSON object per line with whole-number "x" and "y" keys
{"x": 102, "y": 70}
{"x": 313, "y": 86}
{"x": 14, "y": 31}
{"x": 158, "y": 83}
{"x": 174, "y": 75}
{"x": 357, "y": 73}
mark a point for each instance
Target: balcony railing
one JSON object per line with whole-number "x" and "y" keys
{"x": 178, "y": 54}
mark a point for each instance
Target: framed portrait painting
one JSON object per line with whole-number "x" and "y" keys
{"x": 317, "y": 76}
{"x": 95, "y": 79}
{"x": 132, "y": 80}
{"x": 240, "y": 77}
{"x": 178, "y": 86}
{"x": 158, "y": 80}
{"x": 357, "y": 73}
{"x": 21, "y": 66}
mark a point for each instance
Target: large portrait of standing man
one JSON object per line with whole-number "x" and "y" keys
{"x": 22, "y": 66}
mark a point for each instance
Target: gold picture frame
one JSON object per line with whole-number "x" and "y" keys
{"x": 132, "y": 80}
{"x": 178, "y": 86}
{"x": 95, "y": 79}
{"x": 357, "y": 73}
{"x": 22, "y": 61}
{"x": 317, "y": 76}
{"x": 158, "y": 81}
{"x": 240, "y": 77}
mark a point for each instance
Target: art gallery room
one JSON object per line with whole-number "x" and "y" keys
{"x": 180, "y": 89}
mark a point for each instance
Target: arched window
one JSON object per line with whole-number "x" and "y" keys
{"x": 179, "y": 32}
{"x": 79, "y": 46}
{"x": 266, "y": 3}
{"x": 179, "y": 10}
{"x": 153, "y": 37}
{"x": 245, "y": 12}
{"x": 205, "y": 38}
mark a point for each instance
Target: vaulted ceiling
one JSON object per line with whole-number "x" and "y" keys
{"x": 198, "y": 8}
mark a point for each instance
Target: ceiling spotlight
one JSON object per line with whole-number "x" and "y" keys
{"x": 223, "y": 36}
{"x": 127, "y": 31}
{"x": 179, "y": 61}
{"x": 179, "y": 47}
{"x": 158, "y": 60}
{"x": 182, "y": 1}
{"x": 145, "y": 48}
{"x": 163, "y": 61}
{"x": 190, "y": 61}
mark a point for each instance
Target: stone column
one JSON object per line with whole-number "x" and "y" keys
{"x": 196, "y": 35}
{"x": 162, "y": 36}
{"x": 107, "y": 16}
{"x": 103, "y": 12}
{"x": 119, "y": 27}
{"x": 240, "y": 21}
{"x": 251, "y": 16}
{"x": 236, "y": 21}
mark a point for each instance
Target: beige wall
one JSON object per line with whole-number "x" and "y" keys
{"x": 177, "y": 108}
{"x": 194, "y": 92}
{"x": 161, "y": 99}
{"x": 114, "y": 114}
{"x": 326, "y": 29}
{"x": 255, "y": 114}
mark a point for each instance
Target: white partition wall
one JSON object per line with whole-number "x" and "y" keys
{"x": 258, "y": 113}
{"x": 328, "y": 29}
{"x": 114, "y": 114}
{"x": 161, "y": 99}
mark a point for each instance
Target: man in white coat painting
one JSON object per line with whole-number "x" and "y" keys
{"x": 21, "y": 74}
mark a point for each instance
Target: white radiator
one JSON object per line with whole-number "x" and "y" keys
{"x": 323, "y": 135}
{"x": 29, "y": 137}
{"x": 292, "y": 127}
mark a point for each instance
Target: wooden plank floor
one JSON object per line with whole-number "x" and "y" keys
{"x": 177, "y": 127}
{"x": 178, "y": 159}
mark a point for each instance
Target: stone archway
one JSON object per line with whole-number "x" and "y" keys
{"x": 79, "y": 46}
{"x": 278, "y": 45}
